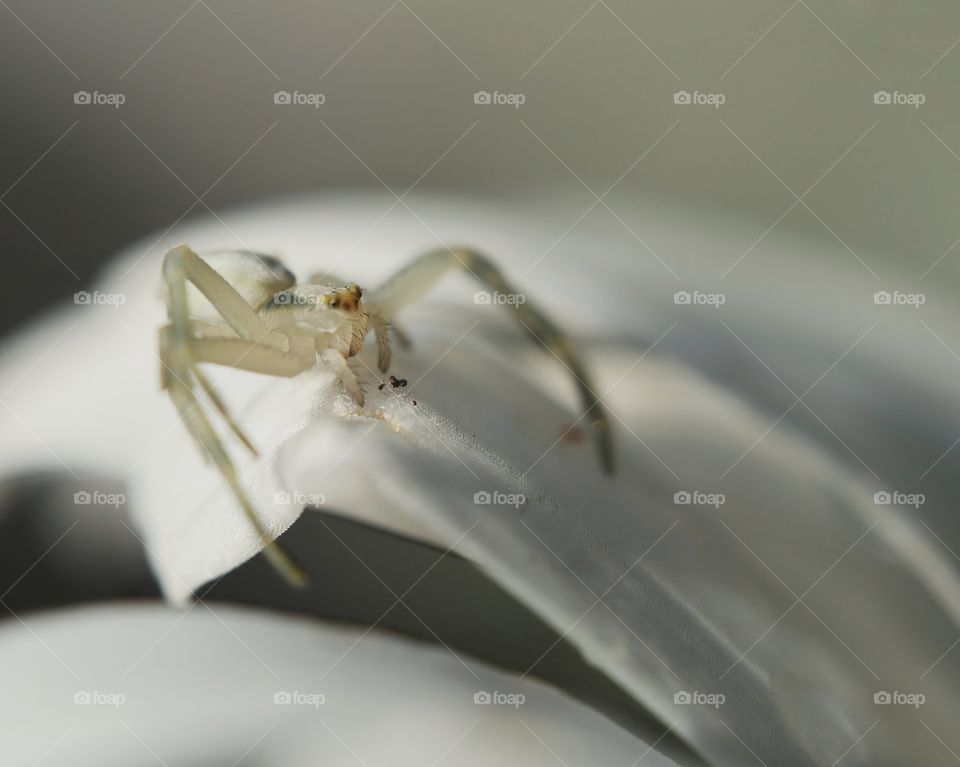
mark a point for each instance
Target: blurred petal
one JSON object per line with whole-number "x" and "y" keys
{"x": 134, "y": 685}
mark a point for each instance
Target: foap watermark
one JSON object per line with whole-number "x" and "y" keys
{"x": 896, "y": 498}
{"x": 297, "y": 698}
{"x": 496, "y": 498}
{"x": 897, "y": 698}
{"x": 896, "y": 98}
{"x": 96, "y": 98}
{"x": 96, "y": 498}
{"x": 300, "y": 499}
{"x": 97, "y": 698}
{"x": 686, "y": 98}
{"x": 96, "y": 298}
{"x": 484, "y": 698}
{"x": 289, "y": 298}
{"x": 696, "y": 698}
{"x": 898, "y": 298}
{"x": 698, "y": 498}
{"x": 515, "y": 100}
{"x": 298, "y": 99}
{"x": 696, "y": 298}
{"x": 498, "y": 298}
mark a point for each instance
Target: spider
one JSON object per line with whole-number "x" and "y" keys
{"x": 257, "y": 317}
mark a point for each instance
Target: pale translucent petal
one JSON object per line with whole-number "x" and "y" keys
{"x": 139, "y": 685}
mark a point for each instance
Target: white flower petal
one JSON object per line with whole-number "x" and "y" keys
{"x": 134, "y": 685}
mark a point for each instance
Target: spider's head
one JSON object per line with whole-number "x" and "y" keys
{"x": 324, "y": 308}
{"x": 345, "y": 299}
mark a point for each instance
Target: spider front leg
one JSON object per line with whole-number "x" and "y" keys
{"x": 185, "y": 342}
{"x": 412, "y": 282}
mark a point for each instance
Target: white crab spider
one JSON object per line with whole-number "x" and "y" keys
{"x": 251, "y": 314}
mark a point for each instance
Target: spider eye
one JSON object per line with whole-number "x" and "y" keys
{"x": 335, "y": 303}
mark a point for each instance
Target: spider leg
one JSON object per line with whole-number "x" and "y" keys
{"x": 413, "y": 281}
{"x": 211, "y": 345}
{"x": 381, "y": 331}
{"x": 180, "y": 351}
{"x": 345, "y": 372}
{"x": 215, "y": 399}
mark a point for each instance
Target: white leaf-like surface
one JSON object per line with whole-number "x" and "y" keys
{"x": 136, "y": 685}
{"x": 798, "y": 599}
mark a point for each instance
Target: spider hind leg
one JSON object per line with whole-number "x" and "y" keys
{"x": 413, "y": 281}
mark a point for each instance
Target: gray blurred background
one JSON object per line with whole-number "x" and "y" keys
{"x": 398, "y": 80}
